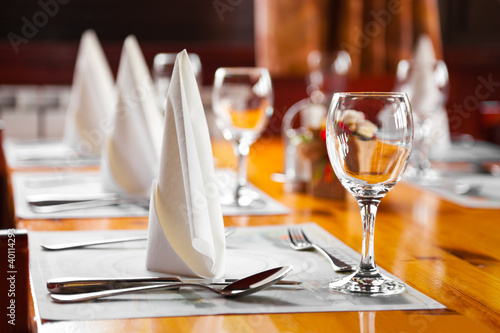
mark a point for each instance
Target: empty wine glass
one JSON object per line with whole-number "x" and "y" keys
{"x": 327, "y": 73}
{"x": 242, "y": 101}
{"x": 369, "y": 140}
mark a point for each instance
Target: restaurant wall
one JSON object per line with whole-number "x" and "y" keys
{"x": 36, "y": 36}
{"x": 39, "y": 41}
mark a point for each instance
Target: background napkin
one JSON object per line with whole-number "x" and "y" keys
{"x": 91, "y": 100}
{"x": 132, "y": 147}
{"x": 186, "y": 229}
{"x": 424, "y": 89}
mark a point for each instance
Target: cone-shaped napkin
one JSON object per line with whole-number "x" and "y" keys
{"x": 427, "y": 89}
{"x": 423, "y": 90}
{"x": 186, "y": 229}
{"x": 131, "y": 152}
{"x": 91, "y": 100}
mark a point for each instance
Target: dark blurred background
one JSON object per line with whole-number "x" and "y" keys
{"x": 223, "y": 33}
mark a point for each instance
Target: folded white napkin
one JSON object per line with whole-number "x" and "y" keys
{"x": 186, "y": 229}
{"x": 132, "y": 147}
{"x": 424, "y": 89}
{"x": 91, "y": 100}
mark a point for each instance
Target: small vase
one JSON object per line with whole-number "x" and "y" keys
{"x": 324, "y": 183}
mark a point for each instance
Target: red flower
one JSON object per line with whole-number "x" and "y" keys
{"x": 328, "y": 176}
{"x": 344, "y": 128}
{"x": 322, "y": 135}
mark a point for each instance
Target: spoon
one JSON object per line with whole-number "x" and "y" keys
{"x": 245, "y": 286}
{"x": 66, "y": 246}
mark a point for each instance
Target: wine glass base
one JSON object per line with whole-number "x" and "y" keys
{"x": 368, "y": 284}
{"x": 245, "y": 198}
{"x": 243, "y": 203}
{"x": 424, "y": 177}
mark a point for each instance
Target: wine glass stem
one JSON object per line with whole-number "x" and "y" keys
{"x": 423, "y": 145}
{"x": 241, "y": 151}
{"x": 368, "y": 213}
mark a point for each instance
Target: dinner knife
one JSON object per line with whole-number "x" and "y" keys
{"x": 228, "y": 231}
{"x": 51, "y": 203}
{"x": 75, "y": 285}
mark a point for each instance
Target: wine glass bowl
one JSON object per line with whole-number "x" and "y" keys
{"x": 242, "y": 101}
{"x": 328, "y": 72}
{"x": 369, "y": 141}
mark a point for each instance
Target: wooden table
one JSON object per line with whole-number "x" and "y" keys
{"x": 449, "y": 253}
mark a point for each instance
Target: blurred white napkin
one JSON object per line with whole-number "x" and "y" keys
{"x": 424, "y": 89}
{"x": 91, "y": 100}
{"x": 131, "y": 153}
{"x": 186, "y": 229}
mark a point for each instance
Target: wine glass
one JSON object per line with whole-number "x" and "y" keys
{"x": 369, "y": 140}
{"x": 328, "y": 72}
{"x": 242, "y": 100}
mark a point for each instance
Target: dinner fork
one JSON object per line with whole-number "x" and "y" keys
{"x": 299, "y": 241}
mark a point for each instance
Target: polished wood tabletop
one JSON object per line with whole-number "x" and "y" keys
{"x": 445, "y": 251}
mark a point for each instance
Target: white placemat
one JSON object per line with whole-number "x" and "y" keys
{"x": 27, "y": 154}
{"x": 475, "y": 151}
{"x": 488, "y": 195}
{"x": 249, "y": 250}
{"x": 68, "y": 182}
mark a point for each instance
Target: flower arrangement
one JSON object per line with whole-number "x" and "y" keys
{"x": 362, "y": 142}
{"x": 354, "y": 123}
{"x": 312, "y": 147}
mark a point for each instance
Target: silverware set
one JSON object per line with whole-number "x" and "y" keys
{"x": 77, "y": 285}
{"x": 77, "y": 289}
{"x": 245, "y": 286}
